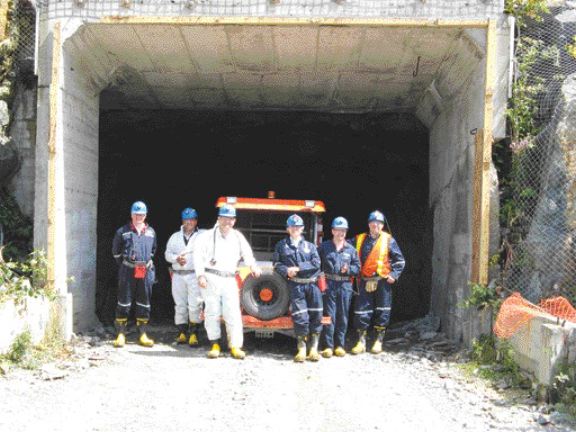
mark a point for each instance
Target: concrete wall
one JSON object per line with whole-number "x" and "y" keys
{"x": 453, "y": 108}
{"x": 76, "y": 188}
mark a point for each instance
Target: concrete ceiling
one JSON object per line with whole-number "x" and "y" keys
{"x": 324, "y": 68}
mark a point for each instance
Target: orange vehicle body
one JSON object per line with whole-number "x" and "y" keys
{"x": 262, "y": 221}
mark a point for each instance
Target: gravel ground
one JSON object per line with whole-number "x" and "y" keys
{"x": 170, "y": 387}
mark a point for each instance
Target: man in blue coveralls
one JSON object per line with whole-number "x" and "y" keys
{"x": 133, "y": 249}
{"x": 382, "y": 263}
{"x": 297, "y": 260}
{"x": 339, "y": 263}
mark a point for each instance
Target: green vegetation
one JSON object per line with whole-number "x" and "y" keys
{"x": 524, "y": 10}
{"x": 481, "y": 297}
{"x": 493, "y": 360}
{"x": 17, "y": 228}
{"x": 563, "y": 391}
{"x": 22, "y": 279}
{"x": 571, "y": 47}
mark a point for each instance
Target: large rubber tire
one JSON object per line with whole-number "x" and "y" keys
{"x": 252, "y": 302}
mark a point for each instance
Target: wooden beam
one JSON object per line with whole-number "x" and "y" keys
{"x": 482, "y": 163}
{"x": 269, "y": 21}
{"x": 53, "y": 103}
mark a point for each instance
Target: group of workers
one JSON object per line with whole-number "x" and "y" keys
{"x": 204, "y": 265}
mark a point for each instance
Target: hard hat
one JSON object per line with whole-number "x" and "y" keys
{"x": 227, "y": 211}
{"x": 295, "y": 221}
{"x": 376, "y": 216}
{"x": 340, "y": 223}
{"x": 138, "y": 208}
{"x": 189, "y": 213}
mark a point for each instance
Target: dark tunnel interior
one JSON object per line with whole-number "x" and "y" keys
{"x": 355, "y": 163}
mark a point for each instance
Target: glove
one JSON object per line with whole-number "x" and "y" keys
{"x": 371, "y": 286}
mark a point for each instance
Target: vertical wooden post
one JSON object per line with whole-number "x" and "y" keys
{"x": 54, "y": 95}
{"x": 483, "y": 160}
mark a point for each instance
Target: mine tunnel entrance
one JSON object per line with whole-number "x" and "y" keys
{"x": 355, "y": 163}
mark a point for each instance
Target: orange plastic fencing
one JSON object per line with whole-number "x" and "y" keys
{"x": 516, "y": 312}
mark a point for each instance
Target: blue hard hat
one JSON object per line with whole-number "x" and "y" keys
{"x": 189, "y": 213}
{"x": 340, "y": 223}
{"x": 139, "y": 208}
{"x": 227, "y": 211}
{"x": 295, "y": 221}
{"x": 376, "y": 216}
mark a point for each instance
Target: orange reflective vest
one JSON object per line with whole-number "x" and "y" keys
{"x": 377, "y": 261}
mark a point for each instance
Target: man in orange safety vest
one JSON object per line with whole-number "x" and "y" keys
{"x": 382, "y": 263}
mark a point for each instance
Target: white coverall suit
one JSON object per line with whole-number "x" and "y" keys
{"x": 185, "y": 290}
{"x": 215, "y": 253}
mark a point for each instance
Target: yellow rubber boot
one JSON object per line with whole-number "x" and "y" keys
{"x": 377, "y": 347}
{"x": 301, "y": 354}
{"x": 237, "y": 353}
{"x": 327, "y": 353}
{"x": 145, "y": 341}
{"x": 120, "y": 340}
{"x": 360, "y": 346}
{"x": 339, "y": 352}
{"x": 193, "y": 340}
{"x": 181, "y": 339}
{"x": 120, "y": 324}
{"x": 214, "y": 351}
{"x": 313, "y": 354}
{"x": 193, "y": 329}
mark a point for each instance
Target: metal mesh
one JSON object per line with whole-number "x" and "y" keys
{"x": 276, "y": 8}
{"x": 538, "y": 213}
{"x": 23, "y": 35}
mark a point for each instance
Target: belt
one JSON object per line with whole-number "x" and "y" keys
{"x": 372, "y": 278}
{"x": 183, "y": 272}
{"x": 302, "y": 281}
{"x": 335, "y": 277}
{"x": 133, "y": 264}
{"x": 220, "y": 273}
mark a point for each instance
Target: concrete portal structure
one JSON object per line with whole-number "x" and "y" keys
{"x": 448, "y": 63}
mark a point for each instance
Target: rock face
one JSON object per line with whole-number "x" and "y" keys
{"x": 9, "y": 162}
{"x": 551, "y": 242}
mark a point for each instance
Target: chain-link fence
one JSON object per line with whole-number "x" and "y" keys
{"x": 539, "y": 205}
{"x": 268, "y": 8}
{"x": 23, "y": 35}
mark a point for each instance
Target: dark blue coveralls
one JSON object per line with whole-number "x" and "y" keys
{"x": 338, "y": 296}
{"x": 305, "y": 298}
{"x": 129, "y": 249}
{"x": 377, "y": 303}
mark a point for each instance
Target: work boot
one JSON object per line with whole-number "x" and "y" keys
{"x": 181, "y": 339}
{"x": 120, "y": 325}
{"x": 214, "y": 351}
{"x": 301, "y": 354}
{"x": 339, "y": 352}
{"x": 377, "y": 347}
{"x": 360, "y": 346}
{"x": 327, "y": 353}
{"x": 313, "y": 354}
{"x": 237, "y": 353}
{"x": 143, "y": 340}
{"x": 193, "y": 340}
